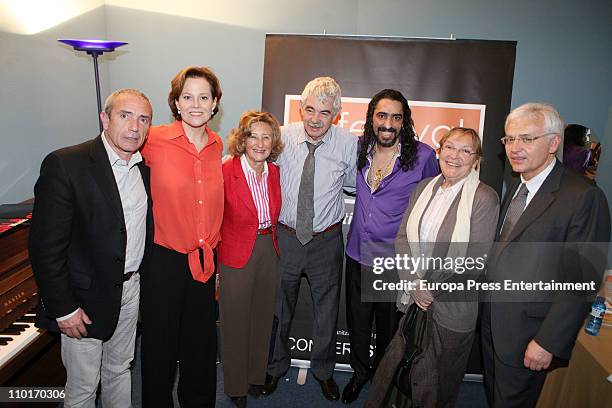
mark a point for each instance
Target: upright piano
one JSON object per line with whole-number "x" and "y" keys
{"x": 29, "y": 357}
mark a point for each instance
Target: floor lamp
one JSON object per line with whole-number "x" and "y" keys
{"x": 94, "y": 48}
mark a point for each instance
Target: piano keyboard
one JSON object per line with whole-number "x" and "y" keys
{"x": 17, "y": 337}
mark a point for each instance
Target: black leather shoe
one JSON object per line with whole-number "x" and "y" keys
{"x": 329, "y": 388}
{"x": 254, "y": 391}
{"x": 240, "y": 402}
{"x": 270, "y": 385}
{"x": 352, "y": 389}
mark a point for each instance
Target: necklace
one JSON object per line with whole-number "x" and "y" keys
{"x": 375, "y": 177}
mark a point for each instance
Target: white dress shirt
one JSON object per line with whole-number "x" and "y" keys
{"x": 259, "y": 192}
{"x": 436, "y": 211}
{"x": 534, "y": 184}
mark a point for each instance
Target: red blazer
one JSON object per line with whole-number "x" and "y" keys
{"x": 240, "y": 223}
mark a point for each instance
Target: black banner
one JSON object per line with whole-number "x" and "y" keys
{"x": 448, "y": 83}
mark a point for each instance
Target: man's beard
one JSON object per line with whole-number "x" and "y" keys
{"x": 387, "y": 143}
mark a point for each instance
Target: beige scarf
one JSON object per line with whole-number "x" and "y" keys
{"x": 461, "y": 231}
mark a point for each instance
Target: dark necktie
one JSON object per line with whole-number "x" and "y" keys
{"x": 515, "y": 209}
{"x": 305, "y": 205}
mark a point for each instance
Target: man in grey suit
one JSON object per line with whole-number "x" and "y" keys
{"x": 319, "y": 159}
{"x": 554, "y": 226}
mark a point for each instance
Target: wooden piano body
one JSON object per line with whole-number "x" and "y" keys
{"x": 29, "y": 357}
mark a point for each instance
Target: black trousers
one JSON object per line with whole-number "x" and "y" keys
{"x": 359, "y": 317}
{"x": 178, "y": 324}
{"x": 506, "y": 386}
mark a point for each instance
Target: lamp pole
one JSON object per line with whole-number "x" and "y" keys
{"x": 95, "y": 48}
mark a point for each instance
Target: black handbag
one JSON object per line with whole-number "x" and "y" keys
{"x": 413, "y": 332}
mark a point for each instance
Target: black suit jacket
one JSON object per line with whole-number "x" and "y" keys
{"x": 562, "y": 235}
{"x": 78, "y": 237}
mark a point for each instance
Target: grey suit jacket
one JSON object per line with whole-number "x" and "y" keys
{"x": 456, "y": 311}
{"x": 562, "y": 235}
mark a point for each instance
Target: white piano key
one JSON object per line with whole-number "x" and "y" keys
{"x": 19, "y": 342}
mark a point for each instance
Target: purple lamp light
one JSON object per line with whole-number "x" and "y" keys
{"x": 94, "y": 48}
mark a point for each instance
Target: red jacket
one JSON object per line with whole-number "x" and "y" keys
{"x": 240, "y": 223}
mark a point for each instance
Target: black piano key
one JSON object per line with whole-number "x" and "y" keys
{"x": 6, "y": 339}
{"x": 27, "y": 319}
{"x": 18, "y": 326}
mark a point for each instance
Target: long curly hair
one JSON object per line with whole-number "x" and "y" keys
{"x": 407, "y": 137}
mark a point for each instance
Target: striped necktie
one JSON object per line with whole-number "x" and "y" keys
{"x": 305, "y": 205}
{"x": 515, "y": 209}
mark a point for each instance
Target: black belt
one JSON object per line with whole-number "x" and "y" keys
{"x": 314, "y": 234}
{"x": 128, "y": 275}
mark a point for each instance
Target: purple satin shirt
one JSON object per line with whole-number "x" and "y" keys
{"x": 376, "y": 216}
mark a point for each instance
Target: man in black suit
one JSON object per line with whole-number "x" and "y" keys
{"x": 554, "y": 226}
{"x": 91, "y": 230}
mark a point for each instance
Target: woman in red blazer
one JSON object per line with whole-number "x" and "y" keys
{"x": 248, "y": 253}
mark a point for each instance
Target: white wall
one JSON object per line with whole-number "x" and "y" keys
{"x": 34, "y": 16}
{"x": 47, "y": 99}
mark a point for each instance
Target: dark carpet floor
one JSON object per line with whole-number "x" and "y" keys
{"x": 290, "y": 394}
